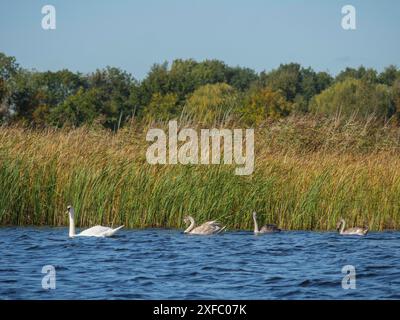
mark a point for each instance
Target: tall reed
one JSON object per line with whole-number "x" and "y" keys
{"x": 308, "y": 173}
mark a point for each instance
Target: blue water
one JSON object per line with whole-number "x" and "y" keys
{"x": 166, "y": 264}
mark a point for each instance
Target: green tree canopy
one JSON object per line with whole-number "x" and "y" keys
{"x": 287, "y": 79}
{"x": 212, "y": 103}
{"x": 354, "y": 97}
{"x": 8, "y": 67}
{"x": 209, "y": 91}
{"x": 113, "y": 87}
{"x": 185, "y": 76}
{"x": 264, "y": 103}
{"x": 78, "y": 109}
{"x": 368, "y": 75}
{"x": 297, "y": 84}
{"x": 161, "y": 107}
{"x": 389, "y": 75}
{"x": 396, "y": 98}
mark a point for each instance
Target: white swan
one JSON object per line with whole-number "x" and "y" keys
{"x": 207, "y": 228}
{"x": 96, "y": 231}
{"x": 358, "y": 231}
{"x": 268, "y": 228}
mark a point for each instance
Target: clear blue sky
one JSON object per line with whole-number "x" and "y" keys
{"x": 260, "y": 34}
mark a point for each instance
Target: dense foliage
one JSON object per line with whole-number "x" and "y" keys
{"x": 208, "y": 92}
{"x": 309, "y": 172}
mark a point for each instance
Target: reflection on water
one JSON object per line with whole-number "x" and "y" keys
{"x": 166, "y": 264}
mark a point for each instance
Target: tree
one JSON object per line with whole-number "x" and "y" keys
{"x": 8, "y": 69}
{"x": 78, "y": 109}
{"x": 264, "y": 103}
{"x": 156, "y": 81}
{"x": 57, "y": 86}
{"x": 389, "y": 75}
{"x": 185, "y": 76}
{"x": 298, "y": 85}
{"x": 368, "y": 75}
{"x": 312, "y": 83}
{"x": 161, "y": 107}
{"x": 44, "y": 90}
{"x": 323, "y": 80}
{"x": 241, "y": 78}
{"x": 113, "y": 87}
{"x": 396, "y": 99}
{"x": 24, "y": 97}
{"x": 3, "y": 94}
{"x": 354, "y": 97}
{"x": 287, "y": 79}
{"x": 212, "y": 103}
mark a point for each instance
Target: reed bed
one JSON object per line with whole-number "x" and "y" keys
{"x": 309, "y": 172}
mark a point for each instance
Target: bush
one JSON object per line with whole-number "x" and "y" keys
{"x": 161, "y": 107}
{"x": 212, "y": 103}
{"x": 353, "y": 97}
{"x": 264, "y": 103}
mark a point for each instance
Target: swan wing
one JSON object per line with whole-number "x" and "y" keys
{"x": 96, "y": 231}
{"x": 270, "y": 228}
{"x": 210, "y": 227}
{"x": 111, "y": 232}
{"x": 356, "y": 231}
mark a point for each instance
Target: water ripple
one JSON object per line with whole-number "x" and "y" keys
{"x": 166, "y": 264}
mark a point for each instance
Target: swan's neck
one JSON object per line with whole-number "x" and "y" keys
{"x": 343, "y": 224}
{"x": 191, "y": 227}
{"x": 71, "y": 225}
{"x": 256, "y": 230}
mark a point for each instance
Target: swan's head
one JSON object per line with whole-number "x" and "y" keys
{"x": 339, "y": 224}
{"x": 70, "y": 211}
{"x": 254, "y": 214}
{"x": 187, "y": 219}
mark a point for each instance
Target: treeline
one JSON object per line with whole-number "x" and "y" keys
{"x": 207, "y": 92}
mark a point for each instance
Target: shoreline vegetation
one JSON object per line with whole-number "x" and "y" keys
{"x": 309, "y": 172}
{"x": 326, "y": 147}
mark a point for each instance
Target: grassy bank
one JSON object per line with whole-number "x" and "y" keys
{"x": 308, "y": 173}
